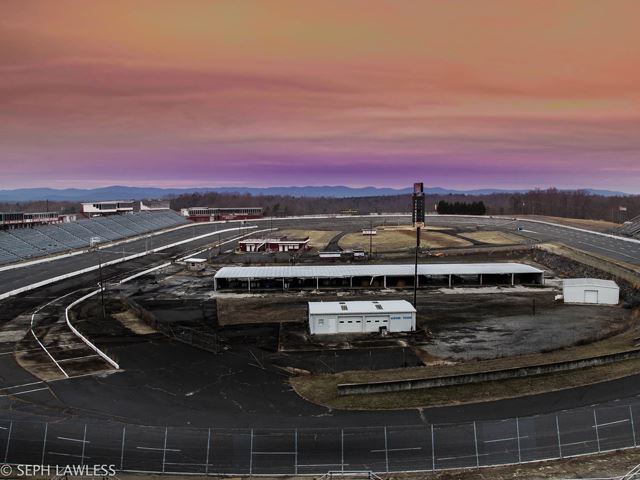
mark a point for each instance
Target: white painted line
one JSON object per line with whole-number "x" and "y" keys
{"x": 77, "y": 358}
{"x": 22, "y": 393}
{"x": 50, "y": 356}
{"x": 65, "y": 455}
{"x": 626, "y": 420}
{"x": 22, "y": 385}
{"x": 274, "y": 453}
{"x": 396, "y": 449}
{"x": 159, "y": 449}
{"x": 74, "y": 440}
{"x": 507, "y": 439}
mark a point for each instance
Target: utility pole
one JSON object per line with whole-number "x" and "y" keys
{"x": 104, "y": 312}
{"x": 415, "y": 272}
{"x": 370, "y": 239}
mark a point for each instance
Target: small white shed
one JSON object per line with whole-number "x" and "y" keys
{"x": 590, "y": 291}
{"x": 196, "y": 264}
{"x": 361, "y": 317}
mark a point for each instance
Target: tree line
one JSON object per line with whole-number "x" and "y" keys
{"x": 550, "y": 202}
{"x": 461, "y": 208}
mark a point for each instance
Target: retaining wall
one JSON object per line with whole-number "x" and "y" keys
{"x": 452, "y": 380}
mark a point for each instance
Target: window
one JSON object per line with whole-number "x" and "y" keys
{"x": 320, "y": 322}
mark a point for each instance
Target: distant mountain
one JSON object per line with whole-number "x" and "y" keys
{"x": 138, "y": 193}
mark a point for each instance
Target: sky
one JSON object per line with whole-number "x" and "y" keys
{"x": 457, "y": 94}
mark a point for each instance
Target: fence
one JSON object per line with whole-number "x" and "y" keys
{"x": 316, "y": 450}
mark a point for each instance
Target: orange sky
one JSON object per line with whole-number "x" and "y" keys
{"x": 458, "y": 93}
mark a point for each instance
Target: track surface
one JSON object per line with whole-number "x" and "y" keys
{"x": 224, "y": 414}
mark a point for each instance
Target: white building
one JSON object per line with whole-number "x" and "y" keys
{"x": 196, "y": 264}
{"x": 590, "y": 290}
{"x": 361, "y": 317}
{"x": 95, "y": 209}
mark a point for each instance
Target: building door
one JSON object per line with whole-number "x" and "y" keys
{"x": 349, "y": 324}
{"x": 374, "y": 322}
{"x": 590, "y": 296}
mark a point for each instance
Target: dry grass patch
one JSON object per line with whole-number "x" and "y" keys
{"x": 132, "y": 322}
{"x": 595, "y": 225}
{"x": 494, "y": 237}
{"x": 388, "y": 240}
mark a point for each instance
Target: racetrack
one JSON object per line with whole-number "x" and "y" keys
{"x": 223, "y": 414}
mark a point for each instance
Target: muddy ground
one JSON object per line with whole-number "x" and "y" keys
{"x": 490, "y": 326}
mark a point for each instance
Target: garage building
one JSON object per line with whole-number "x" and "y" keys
{"x": 591, "y": 291}
{"x": 327, "y": 318}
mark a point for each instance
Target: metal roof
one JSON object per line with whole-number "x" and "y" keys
{"x": 346, "y": 271}
{"x": 589, "y": 282}
{"x": 361, "y": 307}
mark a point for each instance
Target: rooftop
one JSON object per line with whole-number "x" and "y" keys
{"x": 388, "y": 306}
{"x": 589, "y": 282}
{"x": 346, "y": 271}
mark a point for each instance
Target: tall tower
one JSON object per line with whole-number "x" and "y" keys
{"x": 417, "y": 212}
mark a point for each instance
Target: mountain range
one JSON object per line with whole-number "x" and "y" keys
{"x": 138, "y": 193}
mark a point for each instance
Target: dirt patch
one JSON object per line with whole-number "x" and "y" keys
{"x": 484, "y": 326}
{"x": 494, "y": 237}
{"x": 391, "y": 240}
{"x": 233, "y": 311}
{"x": 130, "y": 320}
{"x": 318, "y": 239}
{"x": 322, "y": 389}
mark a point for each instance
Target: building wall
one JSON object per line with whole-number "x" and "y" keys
{"x": 358, "y": 323}
{"x": 591, "y": 294}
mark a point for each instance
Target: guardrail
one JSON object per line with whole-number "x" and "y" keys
{"x": 86, "y": 341}
{"x": 490, "y": 375}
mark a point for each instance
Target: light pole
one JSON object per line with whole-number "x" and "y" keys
{"x": 415, "y": 271}
{"x": 370, "y": 240}
{"x": 104, "y": 313}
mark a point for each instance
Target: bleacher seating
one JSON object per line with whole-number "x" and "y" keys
{"x": 631, "y": 228}
{"x": 21, "y": 244}
{"x": 37, "y": 239}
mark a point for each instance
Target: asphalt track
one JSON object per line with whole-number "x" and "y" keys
{"x": 208, "y": 418}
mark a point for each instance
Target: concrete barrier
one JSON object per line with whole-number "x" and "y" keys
{"x": 486, "y": 376}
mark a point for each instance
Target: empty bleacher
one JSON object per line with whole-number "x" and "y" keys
{"x": 631, "y": 228}
{"x": 38, "y": 241}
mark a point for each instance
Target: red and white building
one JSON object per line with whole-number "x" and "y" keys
{"x": 213, "y": 214}
{"x": 274, "y": 244}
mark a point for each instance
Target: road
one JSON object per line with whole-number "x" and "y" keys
{"x": 176, "y": 409}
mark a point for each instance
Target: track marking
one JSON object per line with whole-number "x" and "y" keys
{"x": 274, "y": 453}
{"x": 507, "y": 439}
{"x": 159, "y": 449}
{"x": 21, "y": 385}
{"x": 73, "y": 440}
{"x": 395, "y": 449}
{"x": 22, "y": 393}
{"x": 626, "y": 420}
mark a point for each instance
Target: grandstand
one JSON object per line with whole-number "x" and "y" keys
{"x": 631, "y": 228}
{"x": 37, "y": 241}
